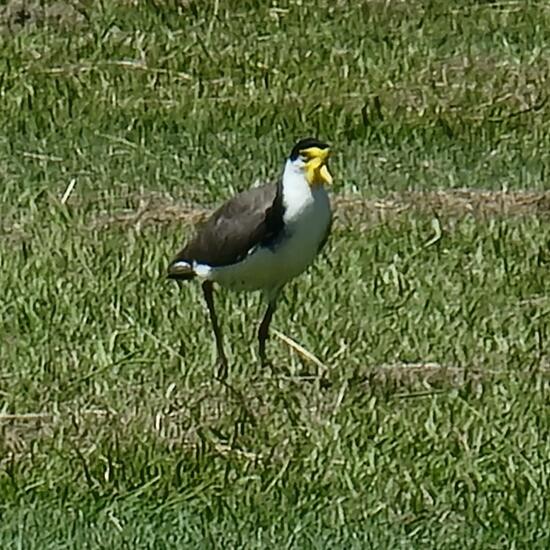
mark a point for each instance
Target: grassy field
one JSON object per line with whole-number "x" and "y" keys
{"x": 424, "y": 422}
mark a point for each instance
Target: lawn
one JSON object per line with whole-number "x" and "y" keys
{"x": 418, "y": 415}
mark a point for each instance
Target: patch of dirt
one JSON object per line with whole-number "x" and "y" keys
{"x": 19, "y": 15}
{"x": 157, "y": 209}
{"x": 448, "y": 203}
{"x": 408, "y": 380}
{"x": 153, "y": 209}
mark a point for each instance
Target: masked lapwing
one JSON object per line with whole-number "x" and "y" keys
{"x": 262, "y": 238}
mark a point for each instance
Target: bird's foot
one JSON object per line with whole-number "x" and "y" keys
{"x": 264, "y": 361}
{"x": 275, "y": 369}
{"x": 267, "y": 364}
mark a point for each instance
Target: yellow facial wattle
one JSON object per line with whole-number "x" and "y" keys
{"x": 325, "y": 175}
{"x": 317, "y": 172}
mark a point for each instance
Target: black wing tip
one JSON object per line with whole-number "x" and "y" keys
{"x": 306, "y": 143}
{"x": 173, "y": 277}
{"x": 180, "y": 271}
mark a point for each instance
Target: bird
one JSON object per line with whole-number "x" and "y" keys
{"x": 262, "y": 238}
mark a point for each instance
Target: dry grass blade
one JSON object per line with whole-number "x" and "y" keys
{"x": 298, "y": 348}
{"x": 226, "y": 450}
{"x": 6, "y": 417}
{"x": 68, "y": 191}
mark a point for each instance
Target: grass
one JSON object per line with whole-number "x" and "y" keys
{"x": 425, "y": 422}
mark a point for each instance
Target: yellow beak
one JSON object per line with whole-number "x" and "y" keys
{"x": 317, "y": 172}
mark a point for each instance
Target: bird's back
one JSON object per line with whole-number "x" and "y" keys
{"x": 244, "y": 221}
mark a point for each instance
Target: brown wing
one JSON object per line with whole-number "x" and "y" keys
{"x": 248, "y": 219}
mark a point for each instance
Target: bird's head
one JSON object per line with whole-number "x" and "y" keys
{"x": 310, "y": 156}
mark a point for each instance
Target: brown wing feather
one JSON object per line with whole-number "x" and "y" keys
{"x": 246, "y": 220}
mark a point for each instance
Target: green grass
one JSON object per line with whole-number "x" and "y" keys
{"x": 427, "y": 425}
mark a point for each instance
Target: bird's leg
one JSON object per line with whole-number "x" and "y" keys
{"x": 209, "y": 298}
{"x": 263, "y": 332}
{"x": 264, "y": 328}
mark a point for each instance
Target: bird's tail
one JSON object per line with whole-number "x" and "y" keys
{"x": 180, "y": 270}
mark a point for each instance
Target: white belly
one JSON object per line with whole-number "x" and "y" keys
{"x": 270, "y": 268}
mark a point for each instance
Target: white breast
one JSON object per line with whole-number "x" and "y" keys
{"x": 306, "y": 218}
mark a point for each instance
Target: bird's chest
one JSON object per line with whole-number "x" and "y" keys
{"x": 304, "y": 229}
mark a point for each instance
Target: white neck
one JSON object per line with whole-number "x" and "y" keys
{"x": 297, "y": 193}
